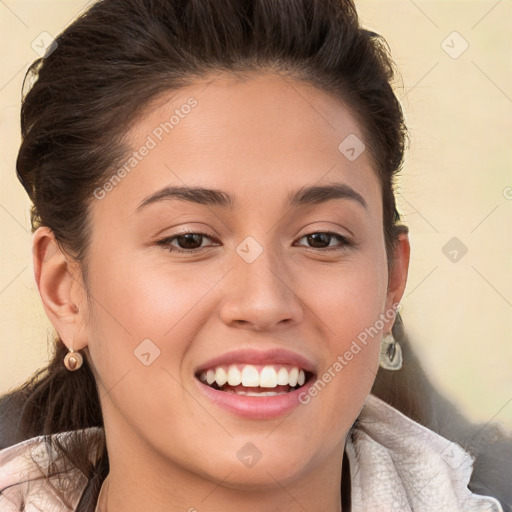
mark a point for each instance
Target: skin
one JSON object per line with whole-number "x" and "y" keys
{"x": 259, "y": 139}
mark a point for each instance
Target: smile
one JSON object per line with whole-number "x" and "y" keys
{"x": 255, "y": 380}
{"x": 255, "y": 383}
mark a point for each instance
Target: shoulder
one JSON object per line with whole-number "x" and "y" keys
{"x": 29, "y": 478}
{"x": 399, "y": 464}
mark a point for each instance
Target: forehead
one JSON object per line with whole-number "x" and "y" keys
{"x": 248, "y": 136}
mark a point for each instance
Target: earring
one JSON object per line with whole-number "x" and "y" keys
{"x": 73, "y": 360}
{"x": 390, "y": 353}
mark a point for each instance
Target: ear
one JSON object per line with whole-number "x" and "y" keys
{"x": 398, "y": 274}
{"x": 60, "y": 286}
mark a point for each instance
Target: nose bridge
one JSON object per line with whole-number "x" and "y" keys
{"x": 262, "y": 293}
{"x": 260, "y": 268}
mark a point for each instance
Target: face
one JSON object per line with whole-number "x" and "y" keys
{"x": 259, "y": 281}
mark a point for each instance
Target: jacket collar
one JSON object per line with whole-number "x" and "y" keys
{"x": 398, "y": 464}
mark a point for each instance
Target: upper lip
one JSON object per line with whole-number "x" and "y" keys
{"x": 252, "y": 356}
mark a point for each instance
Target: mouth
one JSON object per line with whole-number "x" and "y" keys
{"x": 256, "y": 384}
{"x": 255, "y": 380}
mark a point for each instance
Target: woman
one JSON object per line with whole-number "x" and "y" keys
{"x": 217, "y": 246}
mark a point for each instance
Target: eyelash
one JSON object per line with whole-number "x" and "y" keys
{"x": 166, "y": 242}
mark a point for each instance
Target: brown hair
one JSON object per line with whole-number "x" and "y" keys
{"x": 107, "y": 66}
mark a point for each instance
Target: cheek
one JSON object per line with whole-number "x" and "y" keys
{"x": 348, "y": 299}
{"x": 146, "y": 314}
{"x": 142, "y": 321}
{"x": 348, "y": 307}
{"x": 145, "y": 300}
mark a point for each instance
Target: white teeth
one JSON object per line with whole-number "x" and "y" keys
{"x": 221, "y": 376}
{"x": 250, "y": 376}
{"x": 210, "y": 377}
{"x": 267, "y": 377}
{"x": 282, "y": 377}
{"x": 234, "y": 376}
{"x": 293, "y": 376}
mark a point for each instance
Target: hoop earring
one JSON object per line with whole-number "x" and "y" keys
{"x": 390, "y": 353}
{"x": 73, "y": 360}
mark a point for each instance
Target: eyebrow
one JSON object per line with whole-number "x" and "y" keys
{"x": 213, "y": 197}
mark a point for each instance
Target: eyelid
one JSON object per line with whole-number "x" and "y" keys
{"x": 346, "y": 241}
{"x": 166, "y": 241}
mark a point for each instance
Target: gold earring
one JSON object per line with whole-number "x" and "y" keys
{"x": 390, "y": 353}
{"x": 73, "y": 360}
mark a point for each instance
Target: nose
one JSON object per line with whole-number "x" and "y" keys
{"x": 260, "y": 295}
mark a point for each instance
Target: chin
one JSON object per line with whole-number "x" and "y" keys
{"x": 264, "y": 473}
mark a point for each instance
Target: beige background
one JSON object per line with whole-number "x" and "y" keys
{"x": 457, "y": 182}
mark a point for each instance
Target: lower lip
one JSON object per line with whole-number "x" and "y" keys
{"x": 256, "y": 407}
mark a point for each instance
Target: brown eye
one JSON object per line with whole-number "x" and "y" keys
{"x": 186, "y": 242}
{"x": 321, "y": 240}
{"x": 189, "y": 241}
